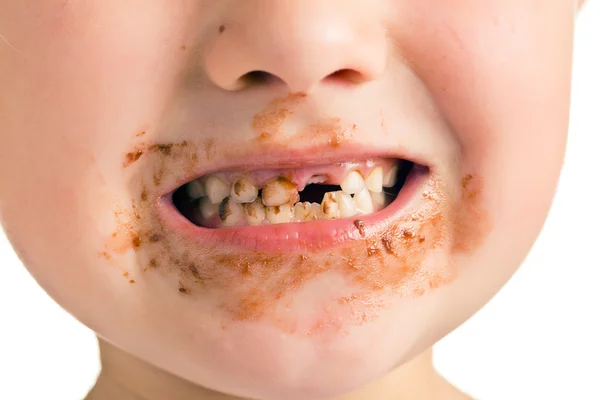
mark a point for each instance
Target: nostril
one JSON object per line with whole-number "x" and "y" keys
{"x": 346, "y": 75}
{"x": 257, "y": 78}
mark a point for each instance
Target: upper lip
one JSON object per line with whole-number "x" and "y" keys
{"x": 279, "y": 158}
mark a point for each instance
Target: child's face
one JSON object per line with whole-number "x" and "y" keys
{"x": 107, "y": 107}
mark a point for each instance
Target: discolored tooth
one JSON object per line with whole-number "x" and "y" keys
{"x": 255, "y": 212}
{"x": 195, "y": 189}
{"x": 374, "y": 181}
{"x": 315, "y": 211}
{"x": 244, "y": 191}
{"x": 363, "y": 202}
{"x": 378, "y": 199}
{"x": 345, "y": 204}
{"x": 302, "y": 211}
{"x": 307, "y": 211}
{"x": 353, "y": 183}
{"x": 230, "y": 212}
{"x": 280, "y": 214}
{"x": 389, "y": 180}
{"x": 329, "y": 206}
{"x": 216, "y": 189}
{"x": 207, "y": 208}
{"x": 280, "y": 191}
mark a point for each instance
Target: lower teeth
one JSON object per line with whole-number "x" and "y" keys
{"x": 241, "y": 203}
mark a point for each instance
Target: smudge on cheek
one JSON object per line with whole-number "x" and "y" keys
{"x": 255, "y": 286}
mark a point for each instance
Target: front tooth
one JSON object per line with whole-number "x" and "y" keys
{"x": 315, "y": 211}
{"x": 353, "y": 183}
{"x": 378, "y": 199}
{"x": 244, "y": 191}
{"x": 207, "y": 208}
{"x": 307, "y": 211}
{"x": 363, "y": 202}
{"x": 280, "y": 191}
{"x": 231, "y": 213}
{"x": 389, "y": 179}
{"x": 255, "y": 212}
{"x": 280, "y": 214}
{"x": 195, "y": 189}
{"x": 329, "y": 206}
{"x": 374, "y": 181}
{"x": 345, "y": 204}
{"x": 302, "y": 211}
{"x": 216, "y": 189}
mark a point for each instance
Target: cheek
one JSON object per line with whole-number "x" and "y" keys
{"x": 500, "y": 72}
{"x": 64, "y": 124}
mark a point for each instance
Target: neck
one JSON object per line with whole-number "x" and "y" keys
{"x": 124, "y": 377}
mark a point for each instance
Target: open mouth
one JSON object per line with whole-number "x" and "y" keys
{"x": 336, "y": 191}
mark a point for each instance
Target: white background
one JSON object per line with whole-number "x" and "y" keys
{"x": 538, "y": 339}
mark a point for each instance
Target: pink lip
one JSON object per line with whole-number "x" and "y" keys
{"x": 313, "y": 236}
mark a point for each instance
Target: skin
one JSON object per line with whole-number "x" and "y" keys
{"x": 94, "y": 90}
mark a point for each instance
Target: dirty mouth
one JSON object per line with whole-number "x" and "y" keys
{"x": 237, "y": 198}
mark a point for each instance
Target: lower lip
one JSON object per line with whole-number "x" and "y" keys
{"x": 312, "y": 236}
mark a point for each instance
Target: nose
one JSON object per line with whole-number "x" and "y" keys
{"x": 301, "y": 43}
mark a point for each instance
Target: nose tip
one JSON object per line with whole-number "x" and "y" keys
{"x": 300, "y": 44}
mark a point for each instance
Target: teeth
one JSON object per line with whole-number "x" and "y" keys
{"x": 345, "y": 204}
{"x": 255, "y": 212}
{"x": 315, "y": 211}
{"x": 329, "y": 206}
{"x": 316, "y": 179}
{"x": 302, "y": 211}
{"x": 363, "y": 202}
{"x": 207, "y": 208}
{"x": 231, "y": 213}
{"x": 216, "y": 189}
{"x": 279, "y": 191}
{"x": 353, "y": 183}
{"x": 374, "y": 181}
{"x": 244, "y": 191}
{"x": 390, "y": 178}
{"x": 195, "y": 189}
{"x": 280, "y": 214}
{"x": 378, "y": 199}
{"x": 307, "y": 211}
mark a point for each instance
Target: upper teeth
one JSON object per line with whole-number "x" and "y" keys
{"x": 239, "y": 203}
{"x": 389, "y": 179}
{"x": 374, "y": 181}
{"x": 216, "y": 189}
{"x": 353, "y": 183}
{"x": 195, "y": 189}
{"x": 279, "y": 191}
{"x": 244, "y": 191}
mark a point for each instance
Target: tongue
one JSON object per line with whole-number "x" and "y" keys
{"x": 330, "y": 174}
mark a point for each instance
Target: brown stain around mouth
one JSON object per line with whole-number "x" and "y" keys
{"x": 258, "y": 283}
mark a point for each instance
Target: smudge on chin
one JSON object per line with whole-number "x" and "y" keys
{"x": 256, "y": 286}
